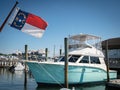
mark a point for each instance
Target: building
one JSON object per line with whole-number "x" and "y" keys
{"x": 113, "y": 52}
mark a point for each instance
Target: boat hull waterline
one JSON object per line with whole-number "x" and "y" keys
{"x": 45, "y": 73}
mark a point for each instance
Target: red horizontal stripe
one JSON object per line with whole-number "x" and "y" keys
{"x": 36, "y": 21}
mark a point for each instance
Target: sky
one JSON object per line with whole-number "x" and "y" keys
{"x": 64, "y": 18}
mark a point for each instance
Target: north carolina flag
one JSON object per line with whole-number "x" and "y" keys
{"x": 29, "y": 23}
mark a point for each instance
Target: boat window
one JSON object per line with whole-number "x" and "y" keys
{"x": 74, "y": 58}
{"x": 94, "y": 60}
{"x": 62, "y": 59}
{"x": 85, "y": 59}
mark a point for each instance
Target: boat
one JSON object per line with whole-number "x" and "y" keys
{"x": 85, "y": 64}
{"x": 18, "y": 67}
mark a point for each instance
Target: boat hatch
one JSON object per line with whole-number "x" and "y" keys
{"x": 71, "y": 58}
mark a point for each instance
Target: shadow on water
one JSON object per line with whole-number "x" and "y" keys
{"x": 100, "y": 86}
{"x": 80, "y": 87}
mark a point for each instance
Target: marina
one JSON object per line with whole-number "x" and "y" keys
{"x": 77, "y": 80}
{"x": 89, "y": 61}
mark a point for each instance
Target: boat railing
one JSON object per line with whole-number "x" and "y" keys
{"x": 84, "y": 41}
{"x": 75, "y": 46}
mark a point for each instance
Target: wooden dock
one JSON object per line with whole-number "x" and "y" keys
{"x": 7, "y": 63}
{"x": 113, "y": 84}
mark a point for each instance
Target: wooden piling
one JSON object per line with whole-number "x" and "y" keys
{"x": 66, "y": 62}
{"x": 26, "y": 58}
{"x": 46, "y": 54}
{"x": 60, "y": 52}
{"x": 6, "y": 63}
{"x": 107, "y": 58}
{"x": 26, "y": 52}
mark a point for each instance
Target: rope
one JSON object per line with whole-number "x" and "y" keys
{"x": 51, "y": 75}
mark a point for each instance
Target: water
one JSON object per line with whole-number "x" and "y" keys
{"x": 15, "y": 81}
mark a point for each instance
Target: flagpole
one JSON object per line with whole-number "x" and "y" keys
{"x": 8, "y": 16}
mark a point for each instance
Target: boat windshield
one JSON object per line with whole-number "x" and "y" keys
{"x": 71, "y": 58}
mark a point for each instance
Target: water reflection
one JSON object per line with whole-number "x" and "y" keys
{"x": 15, "y": 81}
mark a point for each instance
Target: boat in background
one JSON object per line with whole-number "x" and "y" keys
{"x": 85, "y": 64}
{"x": 18, "y": 67}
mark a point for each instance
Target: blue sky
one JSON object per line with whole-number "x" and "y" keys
{"x": 64, "y": 17}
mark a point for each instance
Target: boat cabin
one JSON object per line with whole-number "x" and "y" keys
{"x": 83, "y": 51}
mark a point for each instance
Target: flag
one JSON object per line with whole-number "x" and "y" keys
{"x": 28, "y": 23}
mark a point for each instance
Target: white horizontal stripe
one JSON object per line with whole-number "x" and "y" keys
{"x": 34, "y": 31}
{"x": 13, "y": 15}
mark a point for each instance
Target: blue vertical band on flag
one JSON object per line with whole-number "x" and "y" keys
{"x": 28, "y": 23}
{"x": 19, "y": 20}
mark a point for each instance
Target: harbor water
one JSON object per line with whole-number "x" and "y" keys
{"x": 15, "y": 81}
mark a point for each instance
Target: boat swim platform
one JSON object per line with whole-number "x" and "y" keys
{"x": 113, "y": 84}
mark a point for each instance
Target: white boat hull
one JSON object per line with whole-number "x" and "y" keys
{"x": 19, "y": 67}
{"x": 53, "y": 73}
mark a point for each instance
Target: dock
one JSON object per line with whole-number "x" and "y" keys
{"x": 115, "y": 84}
{"x": 7, "y": 63}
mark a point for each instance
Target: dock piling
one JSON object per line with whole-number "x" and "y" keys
{"x": 60, "y": 52}
{"x": 26, "y": 58}
{"x": 107, "y": 59}
{"x": 46, "y": 54}
{"x": 66, "y": 62}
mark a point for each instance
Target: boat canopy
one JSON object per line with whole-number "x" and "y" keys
{"x": 84, "y": 37}
{"x": 84, "y": 41}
